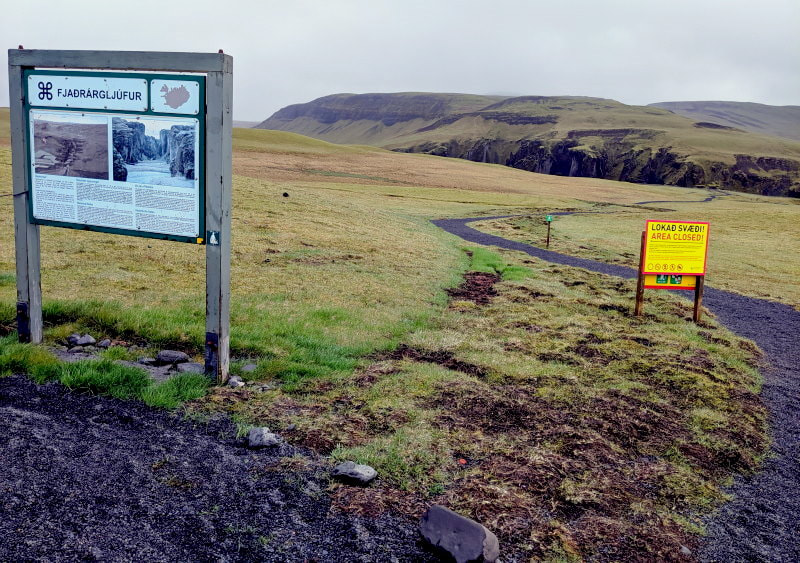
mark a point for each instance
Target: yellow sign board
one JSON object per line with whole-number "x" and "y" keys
{"x": 675, "y": 247}
{"x": 669, "y": 281}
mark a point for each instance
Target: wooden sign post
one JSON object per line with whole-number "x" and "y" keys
{"x": 549, "y": 219}
{"x": 179, "y": 106}
{"x": 673, "y": 256}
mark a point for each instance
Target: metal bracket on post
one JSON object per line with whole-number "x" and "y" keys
{"x": 23, "y": 322}
{"x": 212, "y": 354}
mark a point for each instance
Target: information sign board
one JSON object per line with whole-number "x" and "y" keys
{"x": 675, "y": 247}
{"x": 117, "y": 152}
{"x": 135, "y": 143}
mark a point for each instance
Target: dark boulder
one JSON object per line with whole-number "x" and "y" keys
{"x": 171, "y": 357}
{"x": 464, "y": 540}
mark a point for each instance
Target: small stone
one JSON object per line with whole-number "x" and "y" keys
{"x": 85, "y": 340}
{"x": 191, "y": 367}
{"x": 262, "y": 438}
{"x": 146, "y": 361}
{"x": 105, "y": 343}
{"x": 291, "y": 427}
{"x": 686, "y": 551}
{"x": 75, "y": 350}
{"x": 73, "y": 338}
{"x": 353, "y": 472}
{"x": 235, "y": 381}
{"x": 463, "y": 539}
{"x": 171, "y": 357}
{"x": 249, "y": 368}
{"x": 90, "y": 348}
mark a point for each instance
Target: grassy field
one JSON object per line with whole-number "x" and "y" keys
{"x": 544, "y": 410}
{"x": 750, "y": 251}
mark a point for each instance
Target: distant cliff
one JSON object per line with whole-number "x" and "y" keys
{"x": 567, "y": 135}
{"x": 132, "y": 143}
{"x": 178, "y": 146}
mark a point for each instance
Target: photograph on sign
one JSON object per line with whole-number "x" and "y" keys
{"x": 155, "y": 150}
{"x": 70, "y": 145}
{"x": 127, "y": 172}
{"x": 678, "y": 247}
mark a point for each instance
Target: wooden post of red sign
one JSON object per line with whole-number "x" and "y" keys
{"x": 637, "y": 309}
{"x": 698, "y": 298}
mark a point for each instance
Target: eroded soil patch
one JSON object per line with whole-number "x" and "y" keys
{"x": 477, "y": 287}
{"x": 444, "y": 358}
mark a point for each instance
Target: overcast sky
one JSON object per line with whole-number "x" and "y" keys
{"x": 292, "y": 51}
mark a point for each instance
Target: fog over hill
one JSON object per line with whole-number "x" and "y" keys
{"x": 568, "y": 136}
{"x": 781, "y": 121}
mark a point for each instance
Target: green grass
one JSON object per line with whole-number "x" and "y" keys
{"x": 103, "y": 377}
{"x": 484, "y": 260}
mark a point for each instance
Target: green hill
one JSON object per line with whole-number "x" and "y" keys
{"x": 781, "y": 121}
{"x": 565, "y": 136}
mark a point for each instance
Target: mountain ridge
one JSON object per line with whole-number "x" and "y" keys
{"x": 563, "y": 135}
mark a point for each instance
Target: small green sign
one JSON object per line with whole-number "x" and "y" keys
{"x": 549, "y": 218}
{"x": 662, "y": 278}
{"x": 675, "y": 280}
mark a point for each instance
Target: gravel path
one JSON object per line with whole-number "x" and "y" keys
{"x": 762, "y": 523}
{"x": 84, "y": 477}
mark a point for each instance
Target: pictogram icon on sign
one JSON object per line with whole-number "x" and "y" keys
{"x": 44, "y": 90}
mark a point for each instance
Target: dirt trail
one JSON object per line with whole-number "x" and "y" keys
{"x": 762, "y": 523}
{"x": 93, "y": 478}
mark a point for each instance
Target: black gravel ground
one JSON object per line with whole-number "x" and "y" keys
{"x": 762, "y": 523}
{"x": 92, "y": 478}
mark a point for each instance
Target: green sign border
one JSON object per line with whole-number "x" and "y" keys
{"x": 201, "y": 117}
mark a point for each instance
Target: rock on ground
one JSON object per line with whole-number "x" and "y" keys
{"x": 463, "y": 539}
{"x": 190, "y": 367}
{"x": 354, "y": 473}
{"x": 262, "y": 438}
{"x": 85, "y": 340}
{"x": 171, "y": 357}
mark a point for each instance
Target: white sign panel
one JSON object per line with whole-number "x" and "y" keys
{"x": 126, "y": 172}
{"x": 175, "y": 96}
{"x": 89, "y": 92}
